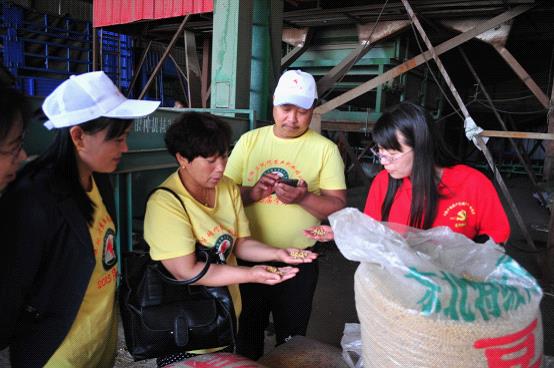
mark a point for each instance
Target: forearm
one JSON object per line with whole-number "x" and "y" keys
{"x": 321, "y": 206}
{"x": 217, "y": 275}
{"x": 252, "y": 250}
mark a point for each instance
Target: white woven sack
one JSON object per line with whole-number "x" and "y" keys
{"x": 435, "y": 299}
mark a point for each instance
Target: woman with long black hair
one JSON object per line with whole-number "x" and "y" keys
{"x": 58, "y": 274}
{"x": 422, "y": 185}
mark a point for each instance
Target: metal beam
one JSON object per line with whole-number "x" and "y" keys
{"x": 524, "y": 160}
{"x": 517, "y": 135}
{"x": 479, "y": 142}
{"x": 298, "y": 50}
{"x": 164, "y": 56}
{"x": 548, "y": 267}
{"x": 522, "y": 74}
{"x": 421, "y": 58}
{"x": 136, "y": 72}
{"x": 205, "y": 71}
{"x": 371, "y": 34}
{"x": 194, "y": 75}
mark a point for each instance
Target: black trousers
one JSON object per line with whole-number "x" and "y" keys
{"x": 290, "y": 303}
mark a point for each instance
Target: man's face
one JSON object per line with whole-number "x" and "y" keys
{"x": 11, "y": 153}
{"x": 291, "y": 121}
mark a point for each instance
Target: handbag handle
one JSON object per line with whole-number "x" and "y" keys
{"x": 170, "y": 280}
{"x": 158, "y": 265}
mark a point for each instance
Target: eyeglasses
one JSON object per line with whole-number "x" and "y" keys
{"x": 385, "y": 158}
{"x": 14, "y": 152}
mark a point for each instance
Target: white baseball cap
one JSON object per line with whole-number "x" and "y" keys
{"x": 297, "y": 88}
{"x": 89, "y": 96}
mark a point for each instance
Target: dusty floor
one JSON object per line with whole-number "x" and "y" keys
{"x": 334, "y": 299}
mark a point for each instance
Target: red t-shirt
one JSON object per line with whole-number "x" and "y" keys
{"x": 468, "y": 204}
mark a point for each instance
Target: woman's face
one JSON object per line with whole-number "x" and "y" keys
{"x": 101, "y": 155}
{"x": 399, "y": 164}
{"x": 11, "y": 154}
{"x": 205, "y": 171}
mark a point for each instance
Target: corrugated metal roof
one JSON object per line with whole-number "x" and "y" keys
{"x": 112, "y": 12}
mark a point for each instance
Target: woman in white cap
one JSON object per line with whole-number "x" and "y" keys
{"x": 58, "y": 277}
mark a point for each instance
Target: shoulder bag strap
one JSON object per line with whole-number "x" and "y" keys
{"x": 159, "y": 267}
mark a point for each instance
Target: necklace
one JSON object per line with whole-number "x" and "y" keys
{"x": 206, "y": 197}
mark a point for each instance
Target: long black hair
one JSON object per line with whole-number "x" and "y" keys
{"x": 60, "y": 156}
{"x": 429, "y": 151}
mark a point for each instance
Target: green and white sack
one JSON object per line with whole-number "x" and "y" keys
{"x": 434, "y": 298}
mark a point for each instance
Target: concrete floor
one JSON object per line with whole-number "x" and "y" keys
{"x": 334, "y": 300}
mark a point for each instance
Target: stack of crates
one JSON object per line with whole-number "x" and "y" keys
{"x": 41, "y": 50}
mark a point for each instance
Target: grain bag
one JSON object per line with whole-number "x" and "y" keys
{"x": 435, "y": 298}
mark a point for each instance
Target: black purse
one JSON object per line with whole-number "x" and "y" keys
{"x": 162, "y": 315}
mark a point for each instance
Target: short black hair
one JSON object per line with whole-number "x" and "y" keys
{"x": 194, "y": 134}
{"x": 13, "y": 104}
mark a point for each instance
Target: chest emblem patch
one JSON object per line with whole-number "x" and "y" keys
{"x": 109, "y": 256}
{"x": 223, "y": 246}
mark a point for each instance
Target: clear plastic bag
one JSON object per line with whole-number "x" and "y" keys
{"x": 434, "y": 296}
{"x": 351, "y": 344}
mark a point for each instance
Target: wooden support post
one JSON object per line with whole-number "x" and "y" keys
{"x": 164, "y": 56}
{"x": 479, "y": 142}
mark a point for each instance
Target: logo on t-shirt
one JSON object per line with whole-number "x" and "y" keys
{"x": 459, "y": 213}
{"x": 223, "y": 246}
{"x": 277, "y": 170}
{"x": 109, "y": 257}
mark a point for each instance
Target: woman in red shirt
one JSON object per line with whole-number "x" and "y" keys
{"x": 423, "y": 187}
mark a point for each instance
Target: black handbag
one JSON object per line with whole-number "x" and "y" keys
{"x": 162, "y": 315}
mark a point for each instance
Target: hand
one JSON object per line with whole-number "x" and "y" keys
{"x": 295, "y": 256}
{"x": 270, "y": 275}
{"x": 322, "y": 233}
{"x": 288, "y": 194}
{"x": 264, "y": 187}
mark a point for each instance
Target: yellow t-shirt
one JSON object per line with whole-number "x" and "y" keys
{"x": 91, "y": 340}
{"x": 310, "y": 157}
{"x": 170, "y": 233}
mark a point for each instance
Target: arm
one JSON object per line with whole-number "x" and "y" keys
{"x": 186, "y": 267}
{"x": 254, "y": 251}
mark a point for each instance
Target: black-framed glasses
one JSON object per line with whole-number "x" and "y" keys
{"x": 386, "y": 158}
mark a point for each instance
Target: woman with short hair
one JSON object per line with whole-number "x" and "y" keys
{"x": 214, "y": 217}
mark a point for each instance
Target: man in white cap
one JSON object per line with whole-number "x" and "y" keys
{"x": 291, "y": 178}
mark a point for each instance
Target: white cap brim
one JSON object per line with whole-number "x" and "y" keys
{"x": 129, "y": 109}
{"x": 300, "y": 101}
